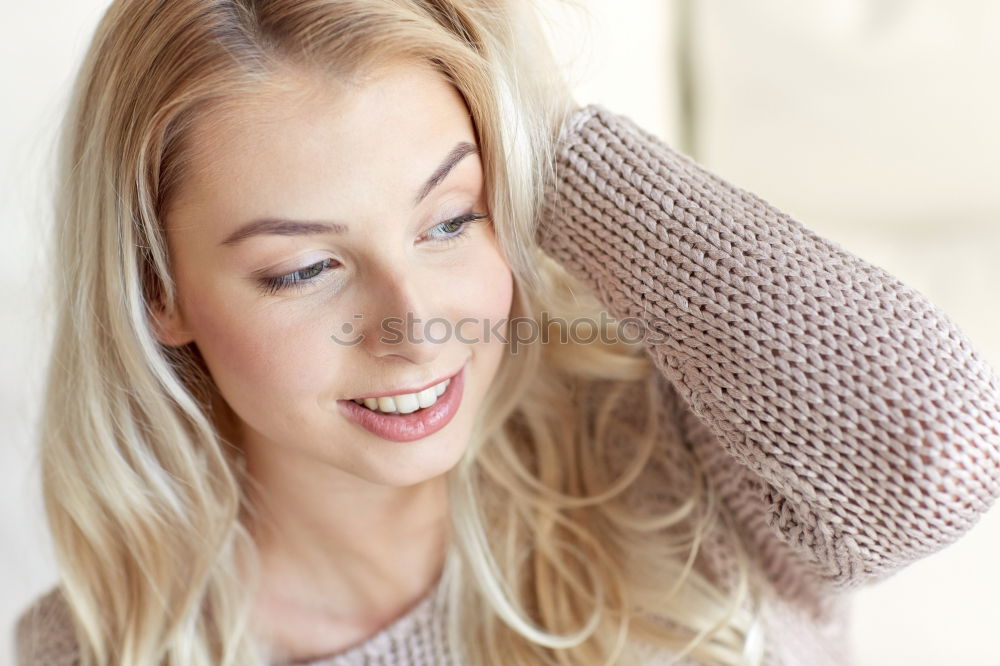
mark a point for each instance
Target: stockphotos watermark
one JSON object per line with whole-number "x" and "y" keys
{"x": 516, "y": 332}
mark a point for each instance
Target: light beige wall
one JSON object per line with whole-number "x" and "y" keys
{"x": 618, "y": 54}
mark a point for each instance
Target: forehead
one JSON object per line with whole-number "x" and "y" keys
{"x": 301, "y": 131}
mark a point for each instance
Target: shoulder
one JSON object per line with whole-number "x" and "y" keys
{"x": 44, "y": 633}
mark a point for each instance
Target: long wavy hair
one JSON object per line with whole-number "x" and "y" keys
{"x": 556, "y": 558}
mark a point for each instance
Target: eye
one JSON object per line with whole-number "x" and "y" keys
{"x": 455, "y": 228}
{"x": 295, "y": 280}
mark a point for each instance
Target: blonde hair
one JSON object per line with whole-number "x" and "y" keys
{"x": 147, "y": 500}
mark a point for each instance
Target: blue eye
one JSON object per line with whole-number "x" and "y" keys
{"x": 299, "y": 278}
{"x": 453, "y": 230}
{"x": 457, "y": 227}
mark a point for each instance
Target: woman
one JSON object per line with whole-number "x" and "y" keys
{"x": 333, "y": 380}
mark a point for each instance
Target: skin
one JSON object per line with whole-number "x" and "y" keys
{"x": 353, "y": 527}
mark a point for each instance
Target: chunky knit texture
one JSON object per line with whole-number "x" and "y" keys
{"x": 848, "y": 425}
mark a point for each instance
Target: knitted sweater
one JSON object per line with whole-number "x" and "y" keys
{"x": 848, "y": 426}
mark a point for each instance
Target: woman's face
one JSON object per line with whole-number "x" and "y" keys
{"x": 319, "y": 229}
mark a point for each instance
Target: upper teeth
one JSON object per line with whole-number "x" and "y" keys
{"x": 405, "y": 402}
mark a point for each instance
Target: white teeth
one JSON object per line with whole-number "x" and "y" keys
{"x": 405, "y": 403}
{"x": 427, "y": 397}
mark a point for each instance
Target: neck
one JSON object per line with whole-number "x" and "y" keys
{"x": 341, "y": 545}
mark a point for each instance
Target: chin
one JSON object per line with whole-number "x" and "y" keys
{"x": 418, "y": 461}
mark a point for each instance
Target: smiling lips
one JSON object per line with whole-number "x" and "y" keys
{"x": 405, "y": 403}
{"x": 416, "y": 424}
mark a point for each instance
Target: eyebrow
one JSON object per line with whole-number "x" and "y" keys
{"x": 283, "y": 227}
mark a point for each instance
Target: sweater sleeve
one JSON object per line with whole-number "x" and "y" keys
{"x": 869, "y": 421}
{"x": 44, "y": 634}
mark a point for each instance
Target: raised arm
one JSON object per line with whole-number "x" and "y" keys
{"x": 870, "y": 419}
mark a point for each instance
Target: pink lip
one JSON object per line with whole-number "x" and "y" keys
{"x": 415, "y": 425}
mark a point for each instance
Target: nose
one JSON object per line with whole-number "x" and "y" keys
{"x": 400, "y": 309}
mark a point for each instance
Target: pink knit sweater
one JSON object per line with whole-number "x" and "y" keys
{"x": 848, "y": 425}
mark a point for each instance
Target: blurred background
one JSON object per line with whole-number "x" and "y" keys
{"x": 874, "y": 123}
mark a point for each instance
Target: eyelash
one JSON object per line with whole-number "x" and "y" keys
{"x": 273, "y": 285}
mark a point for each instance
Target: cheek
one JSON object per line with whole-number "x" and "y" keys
{"x": 490, "y": 284}
{"x": 257, "y": 357}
